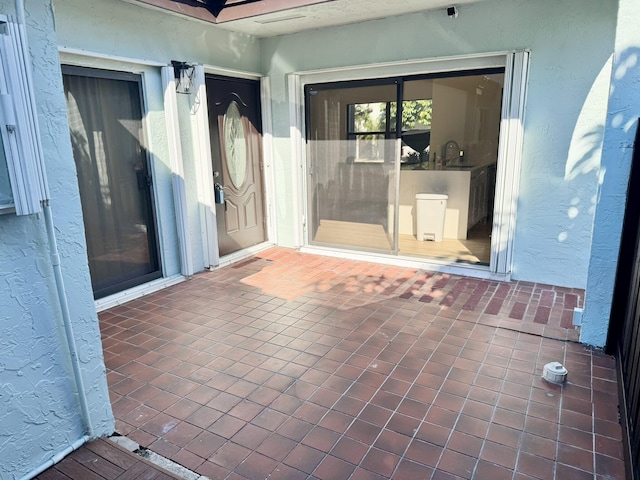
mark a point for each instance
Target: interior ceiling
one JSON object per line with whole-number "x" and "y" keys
{"x": 267, "y": 18}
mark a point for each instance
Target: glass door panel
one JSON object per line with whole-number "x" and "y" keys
{"x": 351, "y": 180}
{"x": 450, "y": 146}
{"x": 105, "y": 120}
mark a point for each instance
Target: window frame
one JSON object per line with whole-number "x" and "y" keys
{"x": 8, "y": 207}
{"x": 19, "y": 128}
{"x": 154, "y": 239}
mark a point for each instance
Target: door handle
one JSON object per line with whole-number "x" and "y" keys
{"x": 218, "y": 193}
{"x": 143, "y": 180}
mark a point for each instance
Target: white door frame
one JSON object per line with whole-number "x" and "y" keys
{"x": 200, "y": 125}
{"x": 509, "y": 155}
{"x": 177, "y": 170}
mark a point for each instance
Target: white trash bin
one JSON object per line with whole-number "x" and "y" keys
{"x": 430, "y": 211}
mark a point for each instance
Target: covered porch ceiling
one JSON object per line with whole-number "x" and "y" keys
{"x": 267, "y": 18}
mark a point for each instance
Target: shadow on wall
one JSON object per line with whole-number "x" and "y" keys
{"x": 586, "y": 146}
{"x": 568, "y": 183}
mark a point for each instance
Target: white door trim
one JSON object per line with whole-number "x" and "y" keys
{"x": 298, "y": 164}
{"x": 268, "y": 173}
{"x": 210, "y": 238}
{"x": 204, "y": 170}
{"x": 404, "y": 68}
{"x": 177, "y": 170}
{"x": 509, "y": 161}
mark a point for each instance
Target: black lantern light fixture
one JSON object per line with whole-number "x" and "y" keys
{"x": 184, "y": 73}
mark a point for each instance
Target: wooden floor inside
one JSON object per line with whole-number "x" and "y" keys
{"x": 353, "y": 234}
{"x": 476, "y": 249}
{"x": 104, "y": 459}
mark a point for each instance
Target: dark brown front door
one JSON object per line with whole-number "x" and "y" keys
{"x": 236, "y": 152}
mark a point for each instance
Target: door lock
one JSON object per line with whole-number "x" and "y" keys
{"x": 218, "y": 191}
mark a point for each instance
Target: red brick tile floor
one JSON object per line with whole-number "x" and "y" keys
{"x": 297, "y": 366}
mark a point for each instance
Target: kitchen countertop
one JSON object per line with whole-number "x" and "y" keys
{"x": 463, "y": 166}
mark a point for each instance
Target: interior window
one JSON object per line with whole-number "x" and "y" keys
{"x": 368, "y": 125}
{"x": 372, "y": 123}
{"x": 416, "y": 130}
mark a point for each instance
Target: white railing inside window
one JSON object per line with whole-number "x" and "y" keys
{"x": 19, "y": 129}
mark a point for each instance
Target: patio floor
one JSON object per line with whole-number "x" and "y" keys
{"x": 297, "y": 366}
{"x": 103, "y": 459}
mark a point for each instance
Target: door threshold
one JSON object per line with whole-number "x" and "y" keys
{"x": 137, "y": 292}
{"x": 243, "y": 254}
{"x": 467, "y": 270}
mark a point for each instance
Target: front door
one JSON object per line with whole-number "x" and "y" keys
{"x": 236, "y": 152}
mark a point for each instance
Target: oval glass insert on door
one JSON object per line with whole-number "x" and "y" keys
{"x": 235, "y": 145}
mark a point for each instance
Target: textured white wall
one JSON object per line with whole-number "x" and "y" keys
{"x": 621, "y": 126}
{"x": 571, "y": 42}
{"x": 39, "y": 410}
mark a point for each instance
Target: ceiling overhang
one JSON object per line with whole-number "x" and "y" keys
{"x": 268, "y": 18}
{"x": 221, "y": 11}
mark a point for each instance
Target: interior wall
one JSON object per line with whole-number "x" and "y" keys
{"x": 448, "y": 102}
{"x": 564, "y": 120}
{"x": 39, "y": 411}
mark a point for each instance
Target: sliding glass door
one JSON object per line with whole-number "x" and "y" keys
{"x": 451, "y": 127}
{"x": 352, "y": 163}
{"x": 380, "y": 151}
{"x": 105, "y": 120}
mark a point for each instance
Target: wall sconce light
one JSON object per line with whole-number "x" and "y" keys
{"x": 183, "y": 73}
{"x": 452, "y": 12}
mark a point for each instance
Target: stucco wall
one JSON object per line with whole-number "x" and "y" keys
{"x": 570, "y": 41}
{"x": 39, "y": 409}
{"x": 617, "y": 151}
{"x": 122, "y": 29}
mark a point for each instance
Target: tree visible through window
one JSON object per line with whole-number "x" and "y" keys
{"x": 372, "y": 123}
